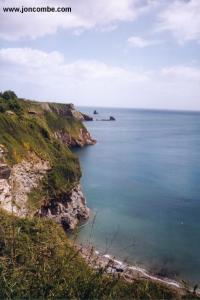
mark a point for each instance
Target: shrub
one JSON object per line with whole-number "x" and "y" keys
{"x": 2, "y": 109}
{"x": 9, "y": 95}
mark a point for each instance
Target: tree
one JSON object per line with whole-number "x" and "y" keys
{"x": 7, "y": 95}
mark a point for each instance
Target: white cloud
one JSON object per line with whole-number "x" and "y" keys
{"x": 182, "y": 73}
{"x": 30, "y": 57}
{"x": 87, "y": 14}
{"x": 44, "y": 68}
{"x": 49, "y": 76}
{"x": 182, "y": 19}
{"x": 139, "y": 42}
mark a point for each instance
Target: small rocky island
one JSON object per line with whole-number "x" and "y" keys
{"x": 85, "y": 117}
{"x": 109, "y": 119}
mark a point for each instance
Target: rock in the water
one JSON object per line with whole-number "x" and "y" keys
{"x": 87, "y": 118}
{"x": 112, "y": 118}
{"x": 95, "y": 112}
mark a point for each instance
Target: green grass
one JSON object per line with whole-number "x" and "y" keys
{"x": 37, "y": 261}
{"x": 22, "y": 133}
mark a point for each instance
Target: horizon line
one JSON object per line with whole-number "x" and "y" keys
{"x": 141, "y": 108}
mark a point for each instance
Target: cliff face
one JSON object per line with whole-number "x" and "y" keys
{"x": 18, "y": 181}
{"x": 82, "y": 140}
{"x": 39, "y": 175}
{"x": 68, "y": 210}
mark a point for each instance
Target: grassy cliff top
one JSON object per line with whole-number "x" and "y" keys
{"x": 29, "y": 126}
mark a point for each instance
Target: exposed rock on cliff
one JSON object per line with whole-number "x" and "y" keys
{"x": 38, "y": 173}
{"x": 24, "y": 177}
{"x": 19, "y": 181}
{"x": 4, "y": 171}
{"x": 82, "y": 140}
{"x": 66, "y": 110}
{"x": 5, "y": 188}
{"x": 67, "y": 210}
{"x": 87, "y": 118}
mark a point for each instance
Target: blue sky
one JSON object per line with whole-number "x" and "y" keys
{"x": 123, "y": 53}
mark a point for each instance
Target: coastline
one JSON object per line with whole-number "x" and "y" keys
{"x": 130, "y": 273}
{"x": 178, "y": 269}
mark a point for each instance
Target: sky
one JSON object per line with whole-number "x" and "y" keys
{"x": 116, "y": 53}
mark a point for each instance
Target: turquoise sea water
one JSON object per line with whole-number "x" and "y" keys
{"x": 142, "y": 180}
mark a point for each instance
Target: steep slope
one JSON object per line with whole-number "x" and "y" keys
{"x": 38, "y": 261}
{"x": 38, "y": 172}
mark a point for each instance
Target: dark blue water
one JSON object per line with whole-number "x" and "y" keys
{"x": 142, "y": 180}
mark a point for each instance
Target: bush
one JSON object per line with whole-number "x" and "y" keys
{"x": 9, "y": 95}
{"x": 10, "y": 102}
{"x": 15, "y": 106}
{"x": 2, "y": 109}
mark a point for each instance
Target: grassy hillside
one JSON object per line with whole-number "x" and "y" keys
{"x": 37, "y": 261}
{"x": 27, "y": 126}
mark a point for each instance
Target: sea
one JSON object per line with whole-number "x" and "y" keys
{"x": 142, "y": 184}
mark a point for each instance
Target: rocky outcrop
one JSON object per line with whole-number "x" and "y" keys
{"x": 82, "y": 140}
{"x": 65, "y": 110}
{"x": 18, "y": 182}
{"x": 112, "y": 118}
{"x": 5, "y": 195}
{"x": 68, "y": 210}
{"x": 4, "y": 171}
{"x": 3, "y": 152}
{"x": 5, "y": 188}
{"x": 24, "y": 177}
{"x": 87, "y": 118}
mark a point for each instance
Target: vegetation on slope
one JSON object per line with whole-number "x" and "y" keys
{"x": 22, "y": 131}
{"x": 37, "y": 261}
{"x": 36, "y": 258}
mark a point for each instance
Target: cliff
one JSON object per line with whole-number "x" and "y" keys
{"x": 39, "y": 187}
{"x": 39, "y": 174}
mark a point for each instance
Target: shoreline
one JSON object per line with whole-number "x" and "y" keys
{"x": 112, "y": 266}
{"x": 128, "y": 271}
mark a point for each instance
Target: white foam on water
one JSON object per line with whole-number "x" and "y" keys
{"x": 142, "y": 271}
{"x": 107, "y": 256}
